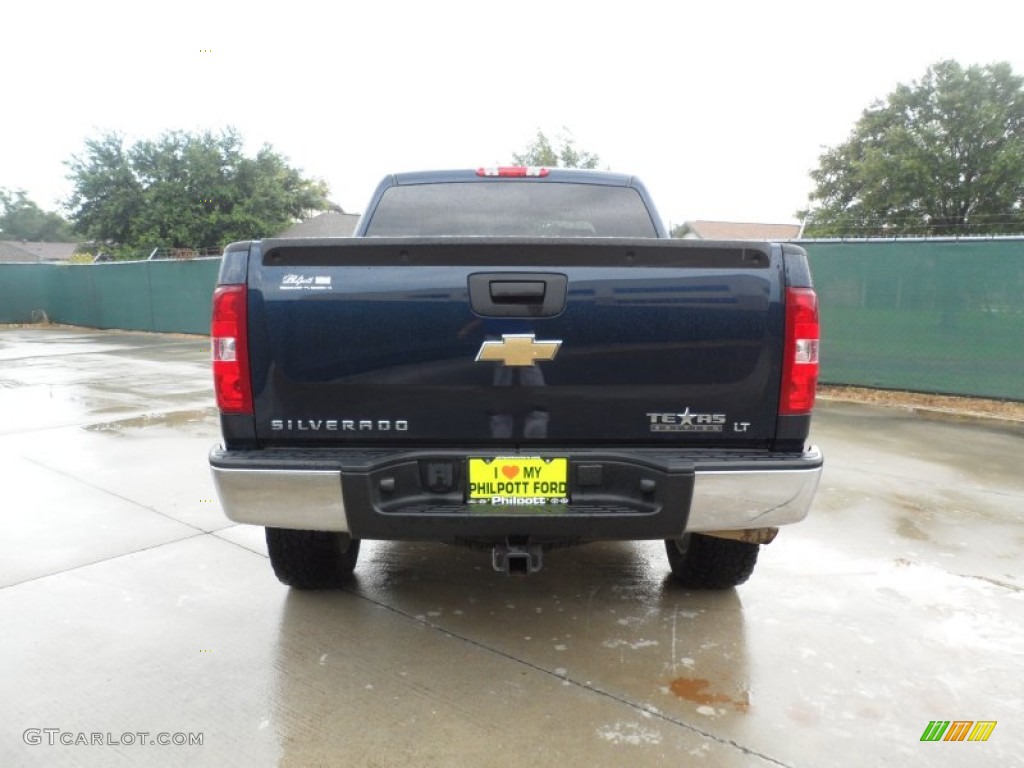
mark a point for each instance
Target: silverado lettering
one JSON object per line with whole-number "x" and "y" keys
{"x": 334, "y": 425}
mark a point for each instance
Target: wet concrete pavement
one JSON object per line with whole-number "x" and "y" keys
{"x": 130, "y": 605}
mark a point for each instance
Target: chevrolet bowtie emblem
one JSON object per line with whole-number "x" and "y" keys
{"x": 518, "y": 349}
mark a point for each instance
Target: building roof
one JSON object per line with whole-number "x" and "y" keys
{"x": 328, "y": 224}
{"x": 20, "y": 250}
{"x": 739, "y": 230}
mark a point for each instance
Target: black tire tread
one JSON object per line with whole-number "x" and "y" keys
{"x": 312, "y": 559}
{"x": 711, "y": 563}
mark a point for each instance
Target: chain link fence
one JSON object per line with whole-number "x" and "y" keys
{"x": 97, "y": 254}
{"x": 936, "y": 316}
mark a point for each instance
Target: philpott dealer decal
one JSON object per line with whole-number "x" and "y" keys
{"x": 306, "y": 283}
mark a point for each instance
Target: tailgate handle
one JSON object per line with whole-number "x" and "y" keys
{"x": 507, "y": 292}
{"x": 517, "y": 294}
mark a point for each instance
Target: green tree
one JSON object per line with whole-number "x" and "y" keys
{"x": 943, "y": 156}
{"x": 182, "y": 190}
{"x": 22, "y": 219}
{"x": 541, "y": 152}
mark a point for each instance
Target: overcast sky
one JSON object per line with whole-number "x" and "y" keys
{"x": 722, "y": 108}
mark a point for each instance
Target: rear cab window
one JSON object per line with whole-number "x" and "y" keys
{"x": 504, "y": 208}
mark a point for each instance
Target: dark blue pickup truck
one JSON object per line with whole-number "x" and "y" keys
{"x": 517, "y": 359}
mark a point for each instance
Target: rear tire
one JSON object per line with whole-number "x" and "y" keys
{"x": 312, "y": 559}
{"x": 705, "y": 562}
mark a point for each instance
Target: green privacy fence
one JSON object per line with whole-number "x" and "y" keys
{"x": 923, "y": 315}
{"x": 926, "y": 315}
{"x": 163, "y": 296}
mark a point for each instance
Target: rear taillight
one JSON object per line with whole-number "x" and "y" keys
{"x": 513, "y": 171}
{"x": 230, "y": 351}
{"x": 800, "y": 365}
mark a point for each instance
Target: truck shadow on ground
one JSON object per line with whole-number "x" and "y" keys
{"x": 602, "y": 619}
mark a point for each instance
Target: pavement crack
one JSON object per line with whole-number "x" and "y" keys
{"x": 109, "y": 492}
{"x": 996, "y": 582}
{"x": 640, "y": 708}
{"x": 118, "y": 556}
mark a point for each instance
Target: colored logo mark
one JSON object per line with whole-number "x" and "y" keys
{"x": 518, "y": 349}
{"x": 958, "y": 730}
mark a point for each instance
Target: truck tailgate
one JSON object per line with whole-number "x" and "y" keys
{"x": 591, "y": 341}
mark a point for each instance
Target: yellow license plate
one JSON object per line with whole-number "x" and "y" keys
{"x": 514, "y": 480}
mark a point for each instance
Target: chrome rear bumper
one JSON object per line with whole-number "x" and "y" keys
{"x": 722, "y": 499}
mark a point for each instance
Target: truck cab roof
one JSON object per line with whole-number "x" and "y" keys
{"x": 614, "y": 204}
{"x": 551, "y": 175}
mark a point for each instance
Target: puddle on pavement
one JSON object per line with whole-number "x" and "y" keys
{"x": 908, "y": 529}
{"x": 171, "y": 419}
{"x": 699, "y": 691}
